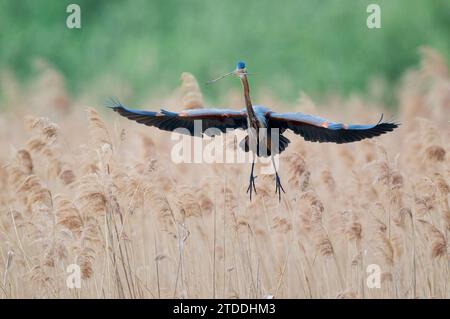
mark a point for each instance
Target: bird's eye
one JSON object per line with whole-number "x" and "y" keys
{"x": 240, "y": 65}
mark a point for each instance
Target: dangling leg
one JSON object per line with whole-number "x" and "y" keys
{"x": 278, "y": 186}
{"x": 252, "y": 186}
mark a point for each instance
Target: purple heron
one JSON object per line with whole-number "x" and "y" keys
{"x": 254, "y": 119}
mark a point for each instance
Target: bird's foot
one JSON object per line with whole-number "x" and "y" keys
{"x": 251, "y": 185}
{"x": 278, "y": 186}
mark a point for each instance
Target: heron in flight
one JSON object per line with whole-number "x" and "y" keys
{"x": 264, "y": 126}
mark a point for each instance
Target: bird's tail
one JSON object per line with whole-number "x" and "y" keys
{"x": 283, "y": 142}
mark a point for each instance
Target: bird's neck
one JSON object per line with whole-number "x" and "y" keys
{"x": 248, "y": 102}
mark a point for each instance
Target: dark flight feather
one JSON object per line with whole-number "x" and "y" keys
{"x": 317, "y": 129}
{"x": 216, "y": 120}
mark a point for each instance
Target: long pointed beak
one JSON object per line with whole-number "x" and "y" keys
{"x": 220, "y": 77}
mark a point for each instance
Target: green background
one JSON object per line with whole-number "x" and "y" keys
{"x": 313, "y": 46}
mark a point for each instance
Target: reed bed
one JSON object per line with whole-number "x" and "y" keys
{"x": 80, "y": 185}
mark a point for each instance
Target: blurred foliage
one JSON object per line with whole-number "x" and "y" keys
{"x": 314, "y": 46}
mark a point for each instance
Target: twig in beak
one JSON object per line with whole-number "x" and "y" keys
{"x": 220, "y": 77}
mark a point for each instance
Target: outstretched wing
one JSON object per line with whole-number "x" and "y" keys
{"x": 316, "y": 129}
{"x": 194, "y": 122}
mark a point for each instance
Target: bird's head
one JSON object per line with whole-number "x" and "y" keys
{"x": 240, "y": 72}
{"x": 240, "y": 66}
{"x": 241, "y": 69}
